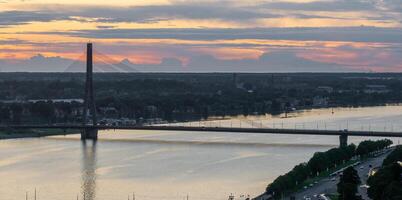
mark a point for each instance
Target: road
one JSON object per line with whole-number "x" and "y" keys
{"x": 364, "y": 168}
{"x": 328, "y": 185}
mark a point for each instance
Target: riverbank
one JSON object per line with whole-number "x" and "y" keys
{"x": 325, "y": 185}
{"x": 322, "y": 165}
{"x": 328, "y": 185}
{"x": 15, "y": 134}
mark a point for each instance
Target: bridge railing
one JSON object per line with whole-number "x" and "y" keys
{"x": 383, "y": 126}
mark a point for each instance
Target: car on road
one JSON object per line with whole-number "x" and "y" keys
{"x": 322, "y": 197}
{"x": 333, "y": 179}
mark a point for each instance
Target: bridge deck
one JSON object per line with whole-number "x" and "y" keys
{"x": 215, "y": 129}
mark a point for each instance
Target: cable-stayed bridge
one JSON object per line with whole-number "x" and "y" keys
{"x": 101, "y": 63}
{"x": 89, "y": 127}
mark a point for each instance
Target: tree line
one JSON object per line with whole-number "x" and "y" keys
{"x": 386, "y": 183}
{"x": 321, "y": 162}
{"x": 369, "y": 146}
{"x": 40, "y": 112}
{"x": 183, "y": 97}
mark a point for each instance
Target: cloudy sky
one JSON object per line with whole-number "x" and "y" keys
{"x": 203, "y": 35}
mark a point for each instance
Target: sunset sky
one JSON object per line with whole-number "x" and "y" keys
{"x": 204, "y": 35}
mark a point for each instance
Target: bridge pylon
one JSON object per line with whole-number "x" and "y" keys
{"x": 89, "y": 103}
{"x": 343, "y": 140}
{"x": 89, "y": 133}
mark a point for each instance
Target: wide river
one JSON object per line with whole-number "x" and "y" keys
{"x": 171, "y": 165}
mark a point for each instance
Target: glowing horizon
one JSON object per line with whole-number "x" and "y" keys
{"x": 357, "y": 35}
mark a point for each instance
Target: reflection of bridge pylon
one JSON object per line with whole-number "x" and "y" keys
{"x": 88, "y": 171}
{"x": 89, "y": 101}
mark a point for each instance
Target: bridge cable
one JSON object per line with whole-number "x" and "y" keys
{"x": 78, "y": 65}
{"x": 120, "y": 65}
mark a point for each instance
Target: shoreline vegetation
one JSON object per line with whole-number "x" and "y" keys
{"x": 321, "y": 165}
{"x": 14, "y": 134}
{"x": 32, "y": 133}
{"x": 170, "y": 97}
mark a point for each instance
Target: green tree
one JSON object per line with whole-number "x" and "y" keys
{"x": 4, "y": 114}
{"x": 368, "y": 146}
{"x": 386, "y": 183}
{"x": 348, "y": 184}
{"x": 44, "y": 110}
{"x": 394, "y": 156}
{"x": 16, "y": 113}
{"x": 318, "y": 163}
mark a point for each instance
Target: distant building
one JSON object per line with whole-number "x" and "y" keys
{"x": 378, "y": 89}
{"x": 151, "y": 111}
{"x": 319, "y": 101}
{"x": 235, "y": 79}
{"x": 345, "y": 91}
{"x": 326, "y": 89}
{"x": 293, "y": 103}
{"x": 108, "y": 111}
{"x": 239, "y": 85}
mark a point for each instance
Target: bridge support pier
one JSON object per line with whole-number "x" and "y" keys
{"x": 343, "y": 140}
{"x": 89, "y": 134}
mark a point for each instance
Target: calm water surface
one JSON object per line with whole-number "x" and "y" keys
{"x": 172, "y": 165}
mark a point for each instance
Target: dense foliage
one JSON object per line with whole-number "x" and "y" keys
{"x": 386, "y": 183}
{"x": 320, "y": 162}
{"x": 394, "y": 156}
{"x": 348, "y": 184}
{"x": 194, "y": 96}
{"x": 369, "y": 146}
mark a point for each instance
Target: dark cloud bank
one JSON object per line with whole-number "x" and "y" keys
{"x": 269, "y": 62}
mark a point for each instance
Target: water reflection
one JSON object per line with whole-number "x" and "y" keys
{"x": 88, "y": 174}
{"x": 169, "y": 164}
